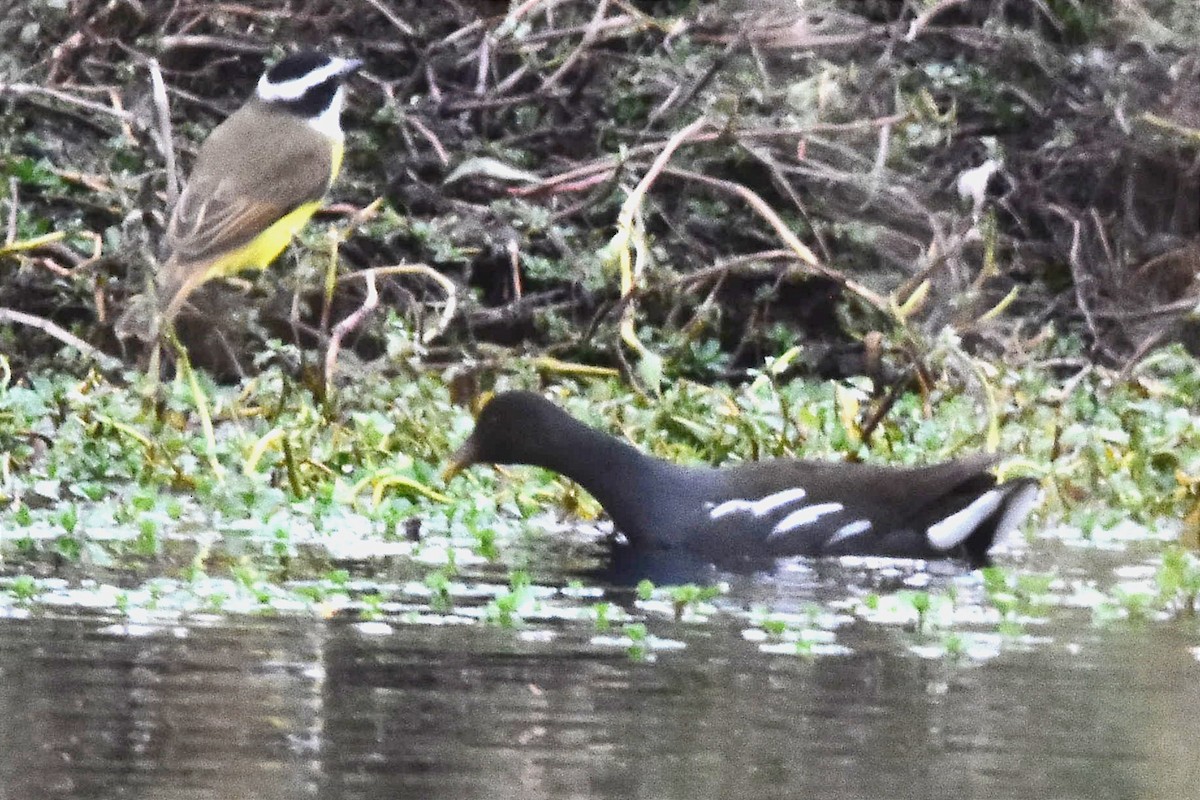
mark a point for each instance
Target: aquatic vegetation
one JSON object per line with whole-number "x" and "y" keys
{"x": 638, "y": 643}
{"x": 812, "y": 633}
{"x": 507, "y": 609}
{"x": 334, "y": 505}
{"x": 23, "y": 589}
{"x": 602, "y": 612}
{"x": 440, "y": 598}
{"x": 1178, "y": 580}
{"x": 1019, "y": 598}
{"x": 691, "y": 598}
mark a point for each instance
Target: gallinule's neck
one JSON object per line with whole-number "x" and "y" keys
{"x": 521, "y": 428}
{"x": 628, "y": 483}
{"x": 596, "y": 461}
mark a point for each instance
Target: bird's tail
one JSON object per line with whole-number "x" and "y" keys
{"x": 174, "y": 283}
{"x": 139, "y": 320}
{"x": 148, "y": 314}
{"x": 988, "y": 520}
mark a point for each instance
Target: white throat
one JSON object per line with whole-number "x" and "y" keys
{"x": 329, "y": 121}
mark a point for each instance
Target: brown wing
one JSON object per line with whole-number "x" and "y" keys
{"x": 209, "y": 220}
{"x": 241, "y": 183}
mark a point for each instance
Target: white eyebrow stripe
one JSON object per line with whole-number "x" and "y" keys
{"x": 848, "y": 530}
{"x": 760, "y": 507}
{"x": 295, "y": 88}
{"x": 805, "y": 516}
{"x": 954, "y": 529}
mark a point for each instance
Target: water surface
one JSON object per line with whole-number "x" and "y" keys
{"x": 235, "y": 706}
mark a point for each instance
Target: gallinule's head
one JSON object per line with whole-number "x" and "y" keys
{"x": 513, "y": 428}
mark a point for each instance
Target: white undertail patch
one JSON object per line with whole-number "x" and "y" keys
{"x": 804, "y": 516}
{"x": 1019, "y": 504}
{"x": 295, "y": 88}
{"x": 760, "y": 507}
{"x": 954, "y": 529}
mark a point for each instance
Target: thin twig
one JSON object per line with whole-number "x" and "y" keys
{"x": 678, "y": 98}
{"x": 114, "y": 97}
{"x": 33, "y": 243}
{"x": 348, "y": 324}
{"x": 33, "y": 90}
{"x": 485, "y": 60}
{"x": 589, "y": 36}
{"x": 577, "y": 177}
{"x": 629, "y": 239}
{"x": 432, "y": 138}
{"x": 202, "y": 42}
{"x": 743, "y": 264}
{"x": 186, "y": 372}
{"x": 166, "y": 142}
{"x": 486, "y": 103}
{"x": 518, "y": 310}
{"x": 790, "y": 239}
{"x": 528, "y": 7}
{"x": 927, "y": 15}
{"x": 9, "y": 315}
{"x": 1081, "y": 277}
{"x": 514, "y": 263}
{"x": 447, "y": 285}
{"x": 555, "y": 34}
{"x": 867, "y": 428}
{"x": 391, "y": 17}
{"x": 14, "y": 200}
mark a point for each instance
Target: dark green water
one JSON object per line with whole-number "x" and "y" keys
{"x": 241, "y": 707}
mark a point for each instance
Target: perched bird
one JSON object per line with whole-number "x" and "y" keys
{"x": 258, "y": 177}
{"x": 744, "y": 517}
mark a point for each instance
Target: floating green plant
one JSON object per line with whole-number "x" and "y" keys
{"x": 1178, "y": 579}
{"x": 600, "y": 612}
{"x": 638, "y": 637}
{"x": 440, "y": 598}
{"x": 506, "y": 609}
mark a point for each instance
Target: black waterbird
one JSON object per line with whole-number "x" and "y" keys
{"x": 745, "y": 517}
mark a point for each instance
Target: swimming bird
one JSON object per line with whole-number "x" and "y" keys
{"x": 745, "y": 517}
{"x": 258, "y": 177}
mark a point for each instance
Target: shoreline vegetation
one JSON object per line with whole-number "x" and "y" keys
{"x": 723, "y": 231}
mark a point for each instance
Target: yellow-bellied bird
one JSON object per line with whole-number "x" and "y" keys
{"x": 258, "y": 177}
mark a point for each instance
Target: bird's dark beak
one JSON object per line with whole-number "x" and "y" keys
{"x": 463, "y": 457}
{"x": 467, "y": 454}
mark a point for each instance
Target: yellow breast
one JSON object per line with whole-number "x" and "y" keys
{"x": 339, "y": 149}
{"x": 267, "y": 246}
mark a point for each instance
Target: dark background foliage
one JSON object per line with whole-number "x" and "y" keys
{"x": 850, "y": 120}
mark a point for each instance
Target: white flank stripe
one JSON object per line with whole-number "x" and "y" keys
{"x": 773, "y": 501}
{"x": 804, "y": 516}
{"x": 954, "y": 529}
{"x": 729, "y": 507}
{"x": 759, "y": 507}
{"x": 848, "y": 530}
{"x": 296, "y": 87}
